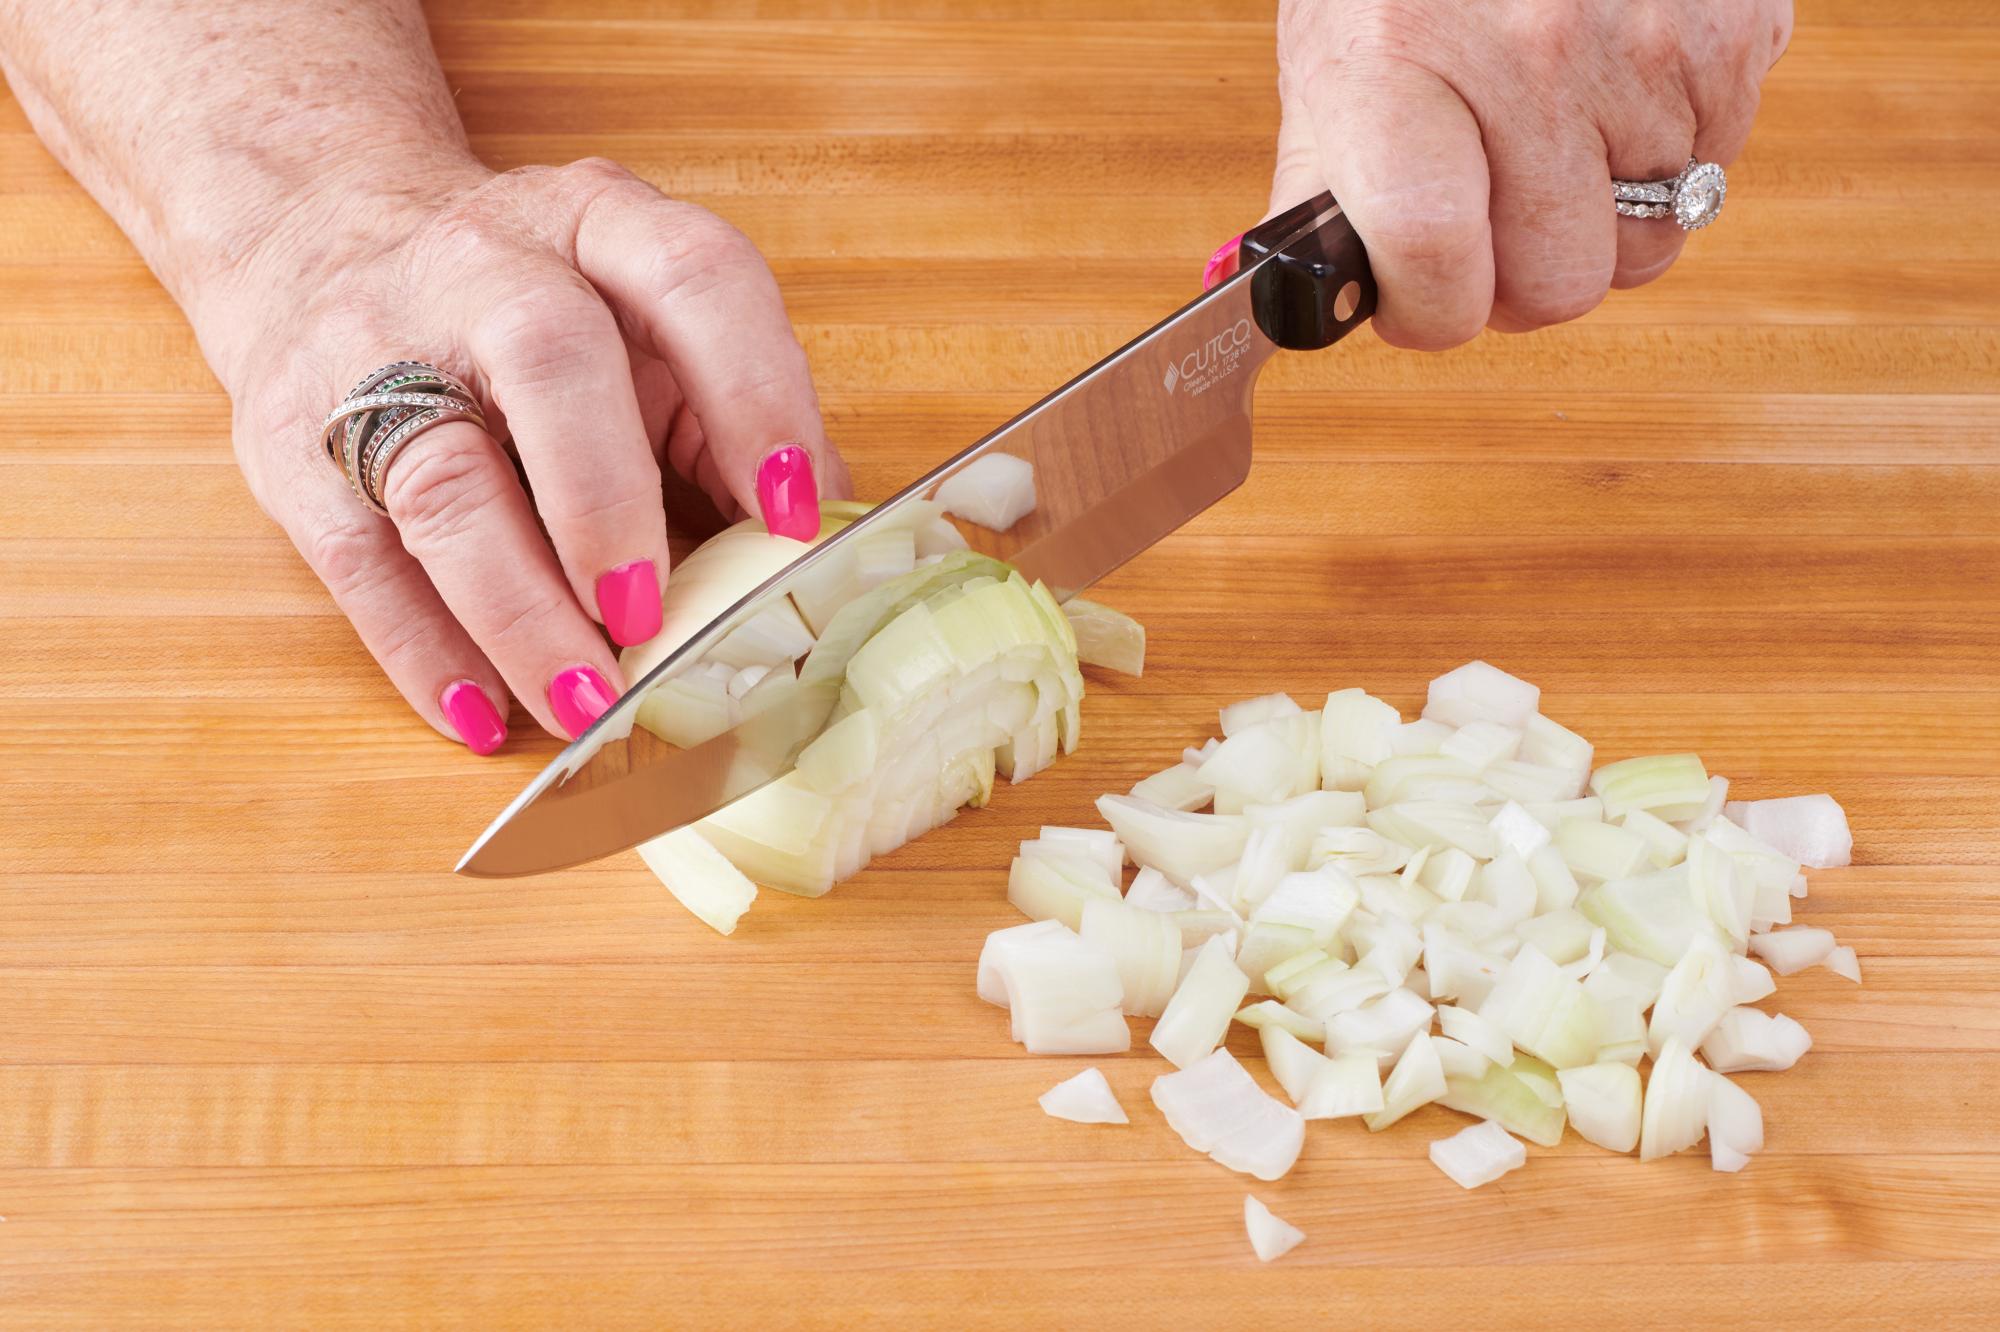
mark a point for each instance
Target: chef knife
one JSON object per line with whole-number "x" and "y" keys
{"x": 1122, "y": 455}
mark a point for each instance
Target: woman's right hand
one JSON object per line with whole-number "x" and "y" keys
{"x": 607, "y": 330}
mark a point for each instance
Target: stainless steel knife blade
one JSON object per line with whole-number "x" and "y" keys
{"x": 1122, "y": 455}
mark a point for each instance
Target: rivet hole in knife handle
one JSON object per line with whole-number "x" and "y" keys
{"x": 1319, "y": 288}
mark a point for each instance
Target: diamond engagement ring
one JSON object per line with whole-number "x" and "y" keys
{"x": 383, "y": 412}
{"x": 1693, "y": 198}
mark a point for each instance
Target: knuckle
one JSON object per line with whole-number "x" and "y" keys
{"x": 699, "y": 254}
{"x": 547, "y": 331}
{"x": 1428, "y": 228}
{"x": 1652, "y": 42}
{"x": 437, "y": 492}
{"x": 1556, "y": 299}
{"x": 539, "y": 619}
{"x": 593, "y": 174}
{"x": 347, "y": 556}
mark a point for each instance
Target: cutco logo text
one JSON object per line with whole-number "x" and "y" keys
{"x": 1213, "y": 361}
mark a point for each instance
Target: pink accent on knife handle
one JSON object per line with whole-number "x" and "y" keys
{"x": 788, "y": 493}
{"x": 579, "y": 696}
{"x": 472, "y": 714}
{"x": 1221, "y": 264}
{"x": 628, "y": 601}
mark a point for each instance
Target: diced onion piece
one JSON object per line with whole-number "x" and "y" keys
{"x": 1177, "y": 844}
{"x": 1543, "y": 1011}
{"x": 1748, "y": 1039}
{"x": 1735, "y": 1124}
{"x": 998, "y": 944}
{"x": 1294, "y": 974}
{"x": 1357, "y": 731}
{"x": 1843, "y": 962}
{"x": 1552, "y": 745}
{"x": 1146, "y": 946}
{"x": 1053, "y": 885}
{"x": 1555, "y": 883}
{"x": 1291, "y": 1060}
{"x": 1357, "y": 851}
{"x": 1750, "y": 980}
{"x": 1478, "y": 1155}
{"x": 1344, "y": 1085}
{"x": 1416, "y": 1080}
{"x": 1603, "y": 1101}
{"x": 1106, "y": 637}
{"x": 1518, "y": 830}
{"x": 1084, "y": 1099}
{"x": 1239, "y": 717}
{"x": 1457, "y": 1059}
{"x": 1676, "y": 1104}
{"x": 1177, "y": 788}
{"x": 1481, "y": 744}
{"x": 1726, "y": 897}
{"x": 1153, "y": 891}
{"x": 1423, "y": 822}
{"x": 1718, "y": 795}
{"x": 1654, "y": 917}
{"x": 1600, "y": 851}
{"x": 1562, "y": 936}
{"x": 1218, "y": 1108}
{"x": 1418, "y": 738}
{"x": 1479, "y": 692}
{"x": 1512, "y": 1096}
{"x": 1063, "y": 994}
{"x": 994, "y": 490}
{"x": 701, "y": 878}
{"x": 1462, "y": 1024}
{"x": 1097, "y": 844}
{"x": 1665, "y": 844}
{"x": 1811, "y": 829}
{"x": 1267, "y": 1013}
{"x": 1623, "y": 976}
{"x": 1269, "y": 1237}
{"x": 1656, "y": 782}
{"x": 1457, "y": 969}
{"x": 1698, "y": 991}
{"x": 1793, "y": 950}
{"x": 1263, "y": 763}
{"x": 1386, "y": 1023}
{"x": 1197, "y": 1017}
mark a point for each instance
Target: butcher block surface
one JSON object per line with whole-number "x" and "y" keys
{"x": 264, "y": 1060}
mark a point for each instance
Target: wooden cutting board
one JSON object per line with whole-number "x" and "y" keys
{"x": 268, "y": 1062}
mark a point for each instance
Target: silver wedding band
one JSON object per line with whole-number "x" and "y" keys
{"x": 1693, "y": 198}
{"x": 385, "y": 410}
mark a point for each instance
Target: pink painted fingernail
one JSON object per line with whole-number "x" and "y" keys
{"x": 472, "y": 714}
{"x": 579, "y": 696}
{"x": 629, "y": 600}
{"x": 1221, "y": 264}
{"x": 789, "y": 494}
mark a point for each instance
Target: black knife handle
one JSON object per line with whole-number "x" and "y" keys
{"x": 1319, "y": 288}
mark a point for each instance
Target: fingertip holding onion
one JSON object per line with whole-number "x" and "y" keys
{"x": 579, "y": 695}
{"x": 473, "y": 716}
{"x": 788, "y": 493}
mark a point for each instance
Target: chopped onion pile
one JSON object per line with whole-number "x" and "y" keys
{"x": 937, "y": 669}
{"x": 1340, "y": 879}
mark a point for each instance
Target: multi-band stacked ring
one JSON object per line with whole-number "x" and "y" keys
{"x": 383, "y": 412}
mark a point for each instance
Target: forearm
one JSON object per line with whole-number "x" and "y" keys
{"x": 231, "y": 137}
